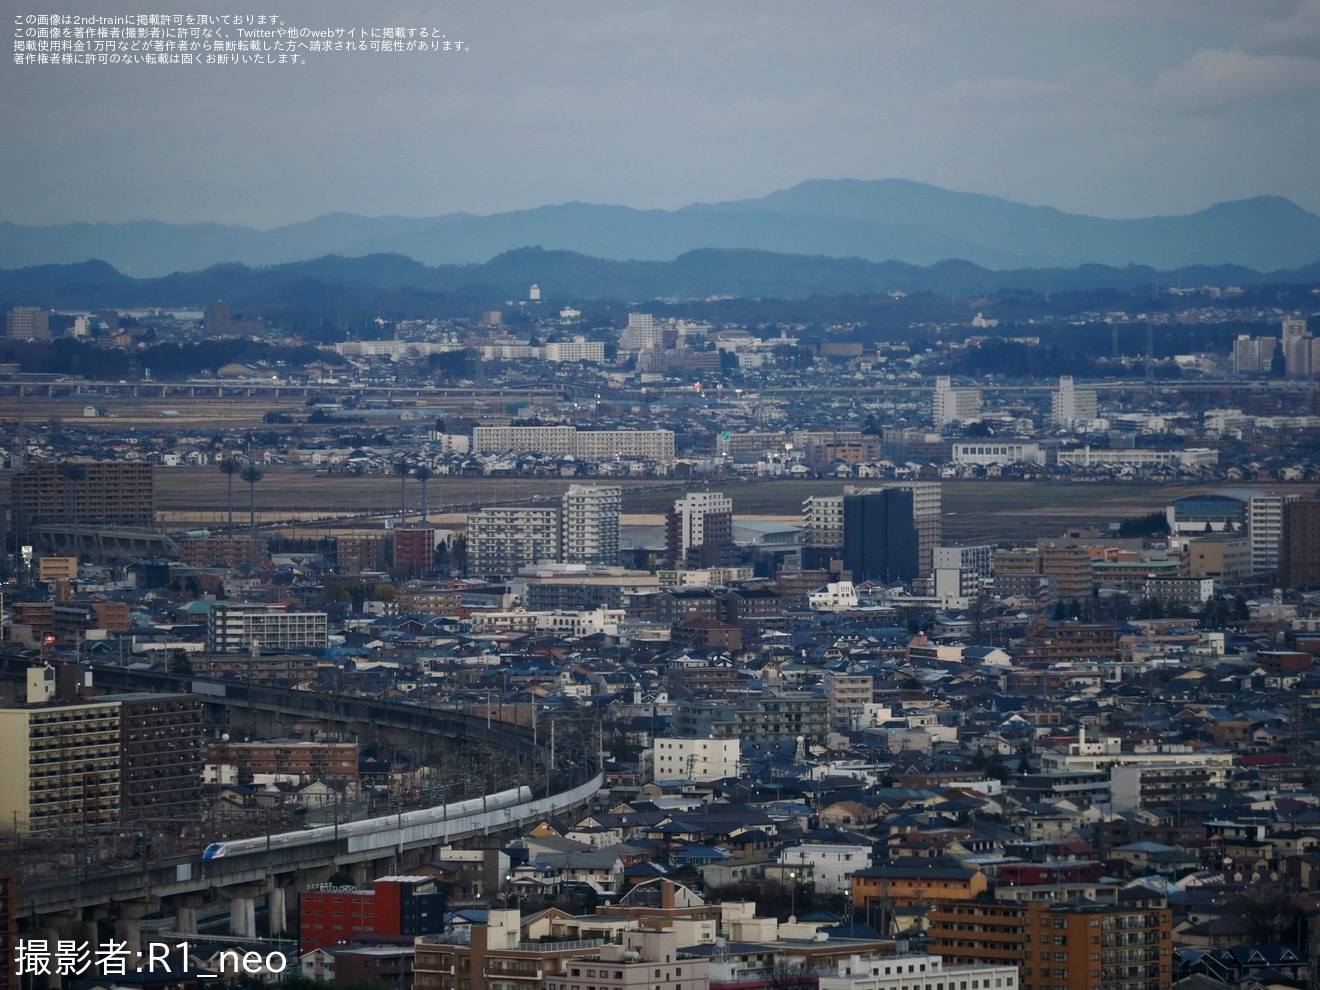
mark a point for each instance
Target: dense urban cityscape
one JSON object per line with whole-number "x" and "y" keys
{"x": 471, "y": 653}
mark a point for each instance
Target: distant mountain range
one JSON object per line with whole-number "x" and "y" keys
{"x": 888, "y": 220}
{"x": 395, "y": 284}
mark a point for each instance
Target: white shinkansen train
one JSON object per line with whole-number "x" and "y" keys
{"x": 389, "y": 830}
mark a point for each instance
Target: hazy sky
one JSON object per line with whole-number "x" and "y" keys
{"x": 1117, "y": 108}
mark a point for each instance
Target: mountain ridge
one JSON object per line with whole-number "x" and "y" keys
{"x": 400, "y": 284}
{"x": 875, "y": 220}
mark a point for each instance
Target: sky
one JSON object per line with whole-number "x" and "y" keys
{"x": 1115, "y": 108}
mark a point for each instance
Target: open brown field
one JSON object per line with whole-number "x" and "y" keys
{"x": 974, "y": 510}
{"x": 188, "y": 498}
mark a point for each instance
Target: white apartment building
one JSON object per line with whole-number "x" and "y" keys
{"x": 698, "y": 760}
{"x": 1192, "y": 457}
{"x": 642, "y": 333}
{"x": 587, "y": 445}
{"x": 952, "y": 405}
{"x": 830, "y": 867}
{"x": 558, "y": 623}
{"x": 689, "y": 517}
{"x": 1265, "y": 528}
{"x": 916, "y": 972}
{"x": 553, "y": 441}
{"x": 239, "y": 628}
{"x": 589, "y": 520}
{"x": 1071, "y": 405}
{"x": 978, "y": 558}
{"x": 1253, "y": 355}
{"x": 1297, "y": 350}
{"x": 604, "y": 445}
{"x": 577, "y": 349}
{"x": 822, "y": 521}
{"x": 502, "y": 540}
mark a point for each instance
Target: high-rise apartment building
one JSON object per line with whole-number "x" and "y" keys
{"x": 589, "y": 519}
{"x": 28, "y": 323}
{"x": 1296, "y": 347}
{"x": 1071, "y": 405}
{"x": 1265, "y": 528}
{"x": 695, "y": 520}
{"x": 952, "y": 405}
{"x": 1299, "y": 547}
{"x": 501, "y": 540}
{"x": 879, "y": 538}
{"x": 1253, "y": 355}
{"x": 161, "y": 747}
{"x": 102, "y": 762}
{"x": 414, "y": 551}
{"x": 91, "y": 493}
{"x": 881, "y": 548}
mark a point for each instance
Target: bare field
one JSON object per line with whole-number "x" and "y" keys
{"x": 189, "y": 497}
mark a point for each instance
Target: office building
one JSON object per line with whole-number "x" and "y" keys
{"x": 90, "y": 493}
{"x": 1299, "y": 547}
{"x": 28, "y": 323}
{"x": 502, "y": 540}
{"x": 694, "y": 521}
{"x": 392, "y": 906}
{"x": 589, "y": 516}
{"x": 954, "y": 405}
{"x": 1070, "y": 405}
{"x": 234, "y": 627}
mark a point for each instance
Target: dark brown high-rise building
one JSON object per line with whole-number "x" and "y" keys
{"x": 1299, "y": 545}
{"x": 161, "y": 748}
{"x": 88, "y": 493}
